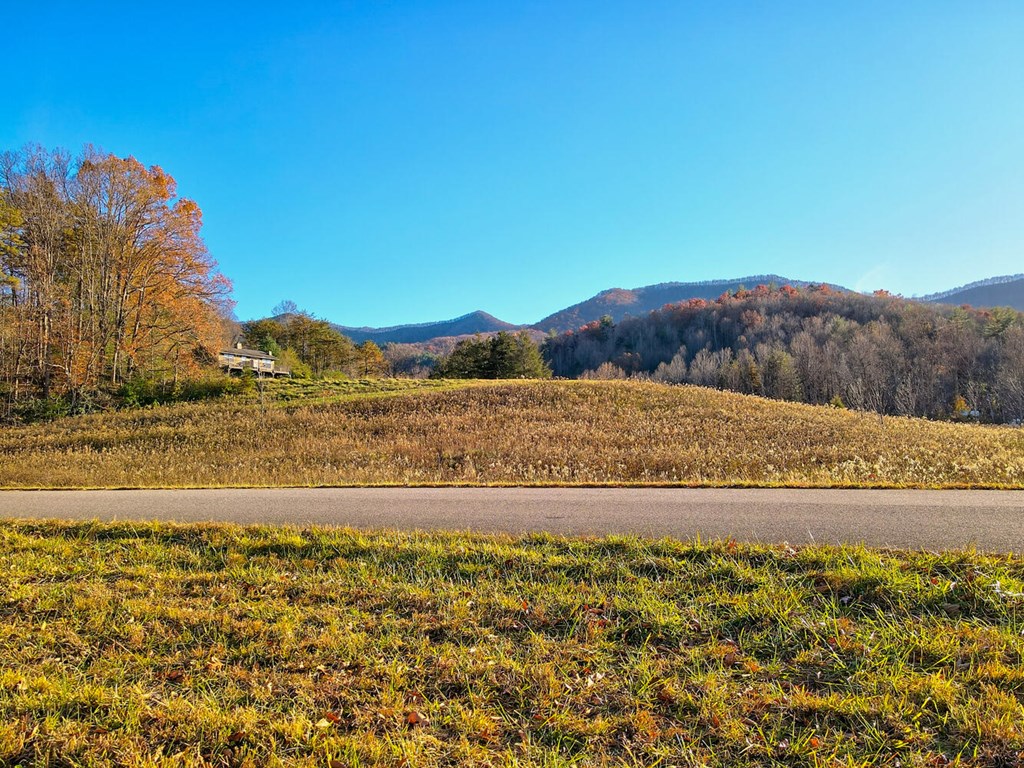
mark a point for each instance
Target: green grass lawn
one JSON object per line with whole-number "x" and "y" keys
{"x": 145, "y": 644}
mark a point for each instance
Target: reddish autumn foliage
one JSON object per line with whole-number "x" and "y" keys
{"x": 107, "y": 274}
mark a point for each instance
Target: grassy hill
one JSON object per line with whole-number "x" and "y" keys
{"x": 479, "y": 433}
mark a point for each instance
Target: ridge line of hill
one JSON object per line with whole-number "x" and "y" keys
{"x": 999, "y": 280}
{"x": 413, "y": 333}
{"x": 477, "y": 313}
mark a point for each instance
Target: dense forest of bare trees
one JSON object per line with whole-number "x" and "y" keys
{"x": 103, "y": 276}
{"x": 818, "y": 345}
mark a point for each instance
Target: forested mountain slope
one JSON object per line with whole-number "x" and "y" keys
{"x": 1005, "y": 291}
{"x": 817, "y": 345}
{"x": 619, "y": 303}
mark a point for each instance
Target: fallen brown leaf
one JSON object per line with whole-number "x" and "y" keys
{"x": 415, "y": 717}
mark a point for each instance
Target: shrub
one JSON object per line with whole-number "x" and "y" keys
{"x": 45, "y": 409}
{"x": 605, "y": 372}
{"x": 141, "y": 391}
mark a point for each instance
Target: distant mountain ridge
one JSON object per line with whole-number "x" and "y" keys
{"x": 1003, "y": 291}
{"x": 616, "y": 302}
{"x": 465, "y": 325}
{"x": 619, "y": 303}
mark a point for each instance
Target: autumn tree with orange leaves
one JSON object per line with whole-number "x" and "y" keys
{"x": 103, "y": 276}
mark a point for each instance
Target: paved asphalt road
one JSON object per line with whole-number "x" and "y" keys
{"x": 988, "y": 520}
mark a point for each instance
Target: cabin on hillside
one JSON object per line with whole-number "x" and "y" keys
{"x": 238, "y": 359}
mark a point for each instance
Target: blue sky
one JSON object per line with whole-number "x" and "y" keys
{"x": 382, "y": 163}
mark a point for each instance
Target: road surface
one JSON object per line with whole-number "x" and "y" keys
{"x": 988, "y": 520}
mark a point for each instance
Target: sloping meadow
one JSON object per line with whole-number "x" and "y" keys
{"x": 562, "y": 432}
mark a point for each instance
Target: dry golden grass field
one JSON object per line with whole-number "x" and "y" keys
{"x": 475, "y": 433}
{"x": 143, "y": 645}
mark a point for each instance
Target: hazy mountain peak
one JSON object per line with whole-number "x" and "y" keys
{"x": 477, "y": 321}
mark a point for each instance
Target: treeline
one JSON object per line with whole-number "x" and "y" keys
{"x": 312, "y": 347}
{"x": 309, "y": 346}
{"x": 818, "y": 345}
{"x": 103, "y": 276}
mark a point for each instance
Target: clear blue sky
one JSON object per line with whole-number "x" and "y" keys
{"x": 387, "y": 162}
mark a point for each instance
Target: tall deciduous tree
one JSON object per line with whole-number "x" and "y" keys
{"x": 105, "y": 273}
{"x": 371, "y": 360}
